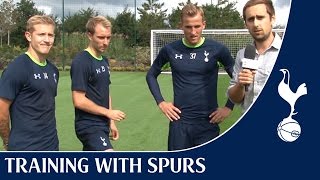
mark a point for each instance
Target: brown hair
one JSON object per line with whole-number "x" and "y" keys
{"x": 92, "y": 23}
{"x": 268, "y": 3}
{"x": 191, "y": 10}
{"x": 38, "y": 19}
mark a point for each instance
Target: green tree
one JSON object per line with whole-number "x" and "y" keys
{"x": 223, "y": 15}
{"x": 125, "y": 24}
{"x": 77, "y": 22}
{"x": 174, "y": 17}
{"x": 24, "y": 10}
{"x": 7, "y": 19}
{"x": 152, "y": 16}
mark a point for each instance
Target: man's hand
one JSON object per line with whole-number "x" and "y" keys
{"x": 114, "y": 132}
{"x": 170, "y": 110}
{"x": 219, "y": 115}
{"x": 246, "y": 77}
{"x": 116, "y": 115}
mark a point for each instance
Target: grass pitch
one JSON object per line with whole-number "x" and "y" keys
{"x": 145, "y": 128}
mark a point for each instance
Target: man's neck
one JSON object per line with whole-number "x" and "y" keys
{"x": 93, "y": 52}
{"x": 186, "y": 43}
{"x": 40, "y": 58}
{"x": 264, "y": 45}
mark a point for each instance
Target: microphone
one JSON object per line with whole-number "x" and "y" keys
{"x": 248, "y": 61}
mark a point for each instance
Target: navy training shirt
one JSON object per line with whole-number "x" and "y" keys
{"x": 32, "y": 88}
{"x": 194, "y": 75}
{"x": 92, "y": 76}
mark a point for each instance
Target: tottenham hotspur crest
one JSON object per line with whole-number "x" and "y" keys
{"x": 289, "y": 129}
{"x": 206, "y": 59}
{"x": 103, "y": 141}
{"x": 55, "y": 77}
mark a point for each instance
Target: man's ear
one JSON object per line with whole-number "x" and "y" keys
{"x": 28, "y": 36}
{"x": 89, "y": 35}
{"x": 204, "y": 24}
{"x": 273, "y": 20}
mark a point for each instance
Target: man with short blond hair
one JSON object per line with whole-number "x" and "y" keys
{"x": 28, "y": 87}
{"x": 90, "y": 75}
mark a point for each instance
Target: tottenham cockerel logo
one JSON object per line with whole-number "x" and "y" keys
{"x": 289, "y": 129}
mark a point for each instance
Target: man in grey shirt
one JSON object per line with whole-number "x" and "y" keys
{"x": 259, "y": 16}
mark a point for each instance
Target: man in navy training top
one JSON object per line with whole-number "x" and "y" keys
{"x": 90, "y": 75}
{"x": 194, "y": 115}
{"x": 28, "y": 87}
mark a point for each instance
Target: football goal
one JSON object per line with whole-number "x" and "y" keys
{"x": 234, "y": 39}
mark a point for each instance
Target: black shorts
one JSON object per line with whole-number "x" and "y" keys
{"x": 95, "y": 140}
{"x": 183, "y": 135}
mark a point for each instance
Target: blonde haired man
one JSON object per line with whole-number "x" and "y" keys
{"x": 90, "y": 75}
{"x": 28, "y": 87}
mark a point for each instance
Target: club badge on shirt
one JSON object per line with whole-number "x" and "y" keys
{"x": 206, "y": 59}
{"x": 55, "y": 77}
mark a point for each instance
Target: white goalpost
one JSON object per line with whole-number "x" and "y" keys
{"x": 234, "y": 39}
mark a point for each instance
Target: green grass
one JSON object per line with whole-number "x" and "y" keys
{"x": 145, "y": 128}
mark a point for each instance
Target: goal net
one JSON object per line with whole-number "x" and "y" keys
{"x": 234, "y": 39}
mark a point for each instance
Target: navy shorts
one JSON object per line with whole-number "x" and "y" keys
{"x": 183, "y": 135}
{"x": 95, "y": 141}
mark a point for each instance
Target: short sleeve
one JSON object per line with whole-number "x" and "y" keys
{"x": 79, "y": 74}
{"x": 13, "y": 79}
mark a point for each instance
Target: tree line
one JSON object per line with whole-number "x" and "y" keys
{"x": 136, "y": 31}
{"x": 129, "y": 48}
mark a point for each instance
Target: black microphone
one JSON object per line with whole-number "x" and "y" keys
{"x": 248, "y": 61}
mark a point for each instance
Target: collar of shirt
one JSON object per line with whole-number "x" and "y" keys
{"x": 277, "y": 42}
